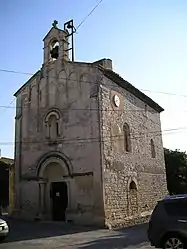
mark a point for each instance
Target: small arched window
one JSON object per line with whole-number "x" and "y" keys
{"x": 53, "y": 127}
{"x": 127, "y": 139}
{"x": 153, "y": 153}
{"x": 54, "y": 49}
{"x": 52, "y": 122}
{"x": 132, "y": 186}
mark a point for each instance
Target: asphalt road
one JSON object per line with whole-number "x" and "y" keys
{"x": 29, "y": 235}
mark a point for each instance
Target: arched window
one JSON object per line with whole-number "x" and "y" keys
{"x": 54, "y": 49}
{"x": 53, "y": 127}
{"x": 132, "y": 186}
{"x": 132, "y": 197}
{"x": 153, "y": 153}
{"x": 127, "y": 139}
{"x": 52, "y": 122}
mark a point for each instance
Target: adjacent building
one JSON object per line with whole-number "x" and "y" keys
{"x": 88, "y": 144}
{"x": 7, "y": 183}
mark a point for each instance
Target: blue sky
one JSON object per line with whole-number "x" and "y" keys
{"x": 147, "y": 41}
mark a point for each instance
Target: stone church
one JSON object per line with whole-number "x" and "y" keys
{"x": 88, "y": 144}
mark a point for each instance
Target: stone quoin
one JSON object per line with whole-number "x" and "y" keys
{"x": 88, "y": 144}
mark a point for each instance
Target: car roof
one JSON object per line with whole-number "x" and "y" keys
{"x": 175, "y": 197}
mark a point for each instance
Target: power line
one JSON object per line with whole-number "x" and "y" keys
{"x": 7, "y": 107}
{"x": 80, "y": 141}
{"x": 16, "y": 72}
{"x": 78, "y": 109}
{"x": 90, "y": 82}
{"x": 84, "y": 109}
{"x": 168, "y": 93}
{"x": 89, "y": 14}
{"x": 88, "y": 110}
{"x": 97, "y": 139}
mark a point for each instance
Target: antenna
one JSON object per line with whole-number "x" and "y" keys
{"x": 69, "y": 26}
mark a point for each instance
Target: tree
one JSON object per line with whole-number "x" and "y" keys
{"x": 176, "y": 171}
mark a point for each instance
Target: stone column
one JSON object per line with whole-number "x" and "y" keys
{"x": 47, "y": 129}
{"x": 39, "y": 201}
{"x": 41, "y": 196}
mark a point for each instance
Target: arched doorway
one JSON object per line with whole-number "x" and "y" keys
{"x": 132, "y": 197}
{"x": 56, "y": 195}
{"x": 54, "y": 189}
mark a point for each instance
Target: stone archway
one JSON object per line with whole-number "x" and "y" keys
{"x": 52, "y": 168}
{"x": 132, "y": 197}
{"x": 56, "y": 156}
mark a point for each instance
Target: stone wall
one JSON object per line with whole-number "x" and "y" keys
{"x": 72, "y": 89}
{"x": 120, "y": 168}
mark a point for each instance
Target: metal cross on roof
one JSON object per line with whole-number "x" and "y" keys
{"x": 54, "y": 24}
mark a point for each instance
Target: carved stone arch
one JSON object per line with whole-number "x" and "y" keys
{"x": 72, "y": 73}
{"x": 85, "y": 75}
{"x": 52, "y": 121}
{"x": 57, "y": 157}
{"x": 72, "y": 79}
{"x": 132, "y": 196}
{"x": 53, "y": 48}
{"x": 62, "y": 75}
{"x": 53, "y": 166}
{"x": 132, "y": 184}
{"x": 52, "y": 42}
{"x": 53, "y": 39}
{"x": 54, "y": 112}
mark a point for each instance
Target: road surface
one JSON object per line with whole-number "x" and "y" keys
{"x": 41, "y": 235}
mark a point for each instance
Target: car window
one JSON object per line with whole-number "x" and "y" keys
{"x": 176, "y": 208}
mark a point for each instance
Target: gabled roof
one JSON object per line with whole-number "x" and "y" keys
{"x": 53, "y": 30}
{"x": 24, "y": 85}
{"x": 130, "y": 88}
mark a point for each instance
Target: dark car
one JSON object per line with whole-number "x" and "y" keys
{"x": 168, "y": 223}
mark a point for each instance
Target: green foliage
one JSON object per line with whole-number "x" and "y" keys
{"x": 176, "y": 171}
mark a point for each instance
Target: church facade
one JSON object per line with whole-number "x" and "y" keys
{"x": 88, "y": 144}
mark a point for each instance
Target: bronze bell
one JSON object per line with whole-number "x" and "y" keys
{"x": 54, "y": 52}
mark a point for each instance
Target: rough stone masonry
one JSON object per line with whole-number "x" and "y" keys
{"x": 133, "y": 180}
{"x": 81, "y": 126}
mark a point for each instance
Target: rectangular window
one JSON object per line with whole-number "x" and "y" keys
{"x": 177, "y": 208}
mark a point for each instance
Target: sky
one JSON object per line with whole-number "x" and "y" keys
{"x": 146, "y": 40}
